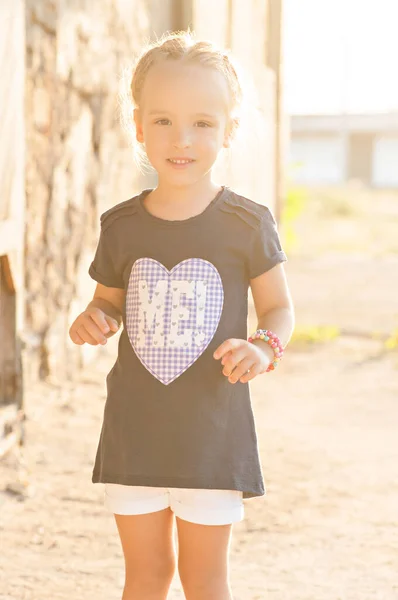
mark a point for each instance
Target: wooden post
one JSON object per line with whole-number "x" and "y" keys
{"x": 275, "y": 62}
{"x": 12, "y": 205}
{"x": 182, "y": 14}
{"x": 11, "y": 400}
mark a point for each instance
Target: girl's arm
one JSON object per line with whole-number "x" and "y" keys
{"x": 109, "y": 300}
{"x": 101, "y": 319}
{"x": 273, "y": 304}
{"x": 274, "y": 309}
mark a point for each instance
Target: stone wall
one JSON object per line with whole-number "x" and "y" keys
{"x": 78, "y": 160}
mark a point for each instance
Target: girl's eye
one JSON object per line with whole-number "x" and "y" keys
{"x": 203, "y": 124}
{"x": 162, "y": 122}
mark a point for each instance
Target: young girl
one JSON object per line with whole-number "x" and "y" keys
{"x": 173, "y": 264}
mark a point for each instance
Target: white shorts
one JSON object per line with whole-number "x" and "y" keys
{"x": 204, "y": 507}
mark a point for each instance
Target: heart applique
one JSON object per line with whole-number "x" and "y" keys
{"x": 170, "y": 335}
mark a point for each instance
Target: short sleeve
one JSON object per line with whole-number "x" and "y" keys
{"x": 266, "y": 250}
{"x": 102, "y": 269}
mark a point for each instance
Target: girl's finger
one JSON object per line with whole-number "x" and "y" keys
{"x": 86, "y": 336}
{"x": 75, "y": 337}
{"x": 226, "y": 357}
{"x": 112, "y": 323}
{"x": 254, "y": 371}
{"x": 233, "y": 360}
{"x": 92, "y": 328}
{"x": 241, "y": 369}
{"x": 227, "y": 346}
{"x": 99, "y": 318}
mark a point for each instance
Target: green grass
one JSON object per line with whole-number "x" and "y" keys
{"x": 314, "y": 334}
{"x": 295, "y": 204}
{"x": 392, "y": 342}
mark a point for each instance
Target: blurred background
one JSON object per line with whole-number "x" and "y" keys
{"x": 320, "y": 148}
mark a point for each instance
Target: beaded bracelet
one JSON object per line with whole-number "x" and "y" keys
{"x": 273, "y": 341}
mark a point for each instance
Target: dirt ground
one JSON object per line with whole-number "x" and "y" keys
{"x": 328, "y": 433}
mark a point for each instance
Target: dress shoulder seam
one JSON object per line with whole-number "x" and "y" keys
{"x": 129, "y": 207}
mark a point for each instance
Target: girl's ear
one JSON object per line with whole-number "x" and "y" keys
{"x": 227, "y": 142}
{"x": 139, "y": 134}
{"x": 230, "y": 132}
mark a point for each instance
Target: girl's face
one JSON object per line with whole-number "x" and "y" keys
{"x": 183, "y": 120}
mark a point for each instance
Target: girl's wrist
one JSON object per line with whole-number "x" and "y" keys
{"x": 265, "y": 348}
{"x": 107, "y": 307}
{"x": 270, "y": 339}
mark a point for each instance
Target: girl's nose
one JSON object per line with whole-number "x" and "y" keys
{"x": 182, "y": 140}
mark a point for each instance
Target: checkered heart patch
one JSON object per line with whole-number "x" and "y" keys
{"x": 172, "y": 316}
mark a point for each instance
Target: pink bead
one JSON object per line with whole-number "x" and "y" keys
{"x": 274, "y": 345}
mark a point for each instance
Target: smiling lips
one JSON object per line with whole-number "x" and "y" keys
{"x": 180, "y": 161}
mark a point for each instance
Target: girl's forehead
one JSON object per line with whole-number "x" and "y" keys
{"x": 171, "y": 83}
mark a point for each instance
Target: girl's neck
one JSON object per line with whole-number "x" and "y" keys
{"x": 180, "y": 202}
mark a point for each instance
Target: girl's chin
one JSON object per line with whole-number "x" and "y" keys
{"x": 168, "y": 169}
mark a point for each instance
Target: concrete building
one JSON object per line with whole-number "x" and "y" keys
{"x": 333, "y": 149}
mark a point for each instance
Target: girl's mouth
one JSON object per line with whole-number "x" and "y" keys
{"x": 180, "y": 162}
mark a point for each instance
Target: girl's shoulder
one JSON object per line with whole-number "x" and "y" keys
{"x": 251, "y": 212}
{"x": 123, "y": 209}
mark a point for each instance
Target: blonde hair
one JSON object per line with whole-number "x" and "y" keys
{"x": 179, "y": 45}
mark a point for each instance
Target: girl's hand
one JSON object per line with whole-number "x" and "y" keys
{"x": 243, "y": 360}
{"x": 92, "y": 326}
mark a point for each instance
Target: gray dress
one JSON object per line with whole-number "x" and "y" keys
{"x": 171, "y": 418}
